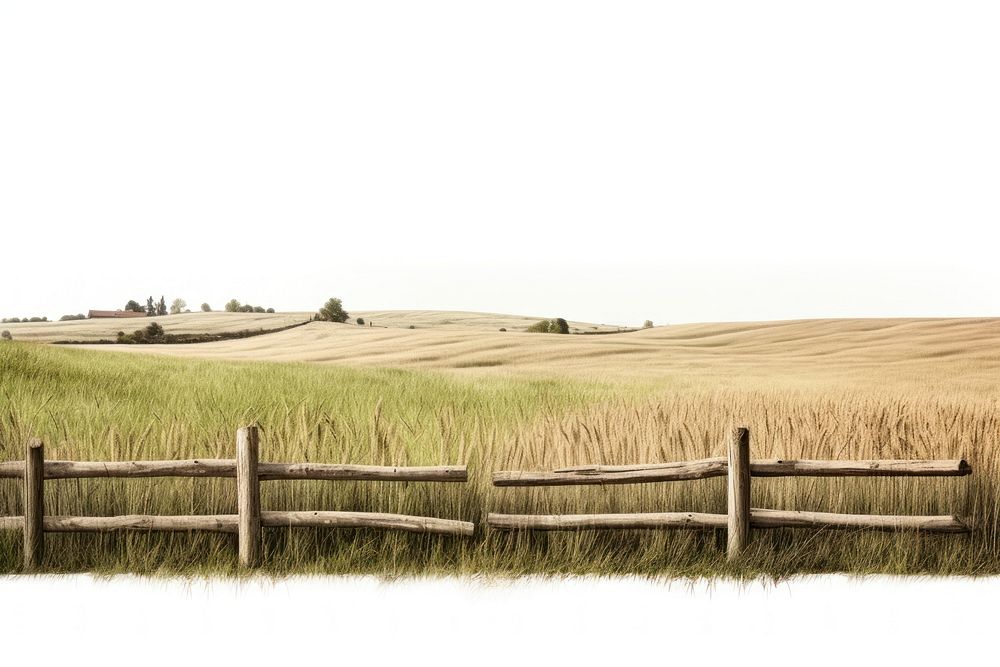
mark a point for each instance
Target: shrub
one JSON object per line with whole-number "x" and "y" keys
{"x": 558, "y": 325}
{"x": 503, "y": 329}
{"x": 648, "y": 324}
{"x": 360, "y": 321}
{"x": 411, "y": 327}
{"x": 205, "y": 308}
{"x": 233, "y": 306}
{"x": 332, "y": 311}
{"x": 5, "y": 335}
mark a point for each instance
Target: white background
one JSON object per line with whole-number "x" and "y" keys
{"x": 605, "y": 161}
{"x": 602, "y": 161}
{"x": 353, "y": 621}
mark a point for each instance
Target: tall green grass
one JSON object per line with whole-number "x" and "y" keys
{"x": 104, "y": 406}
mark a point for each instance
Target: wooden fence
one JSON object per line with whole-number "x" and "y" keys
{"x": 249, "y": 519}
{"x": 740, "y": 517}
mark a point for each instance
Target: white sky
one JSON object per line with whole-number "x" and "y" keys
{"x": 606, "y": 161}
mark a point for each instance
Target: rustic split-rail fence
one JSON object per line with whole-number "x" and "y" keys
{"x": 249, "y": 472}
{"x": 250, "y": 519}
{"x": 740, "y": 518}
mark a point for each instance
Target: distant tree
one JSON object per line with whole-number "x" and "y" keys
{"x": 151, "y": 333}
{"x": 648, "y": 324}
{"x": 332, "y": 311}
{"x": 205, "y": 308}
{"x": 270, "y": 310}
{"x": 178, "y": 306}
{"x": 259, "y": 309}
{"x": 360, "y": 321}
{"x": 36, "y": 319}
{"x": 246, "y": 308}
{"x": 134, "y": 306}
{"x": 161, "y": 307}
{"x": 5, "y": 335}
{"x": 557, "y": 326}
{"x": 67, "y": 318}
{"x": 233, "y": 306}
{"x": 150, "y": 307}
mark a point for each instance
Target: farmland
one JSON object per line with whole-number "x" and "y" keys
{"x": 847, "y": 389}
{"x": 222, "y": 322}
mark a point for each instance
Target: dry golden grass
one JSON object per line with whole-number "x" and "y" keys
{"x": 912, "y": 355}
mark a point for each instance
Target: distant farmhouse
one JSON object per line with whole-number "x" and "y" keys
{"x": 114, "y": 313}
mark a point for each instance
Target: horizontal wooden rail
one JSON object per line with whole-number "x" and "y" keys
{"x": 412, "y": 524}
{"x": 228, "y": 523}
{"x": 11, "y": 522}
{"x": 763, "y": 518}
{"x": 638, "y": 474}
{"x": 227, "y": 468}
{"x": 336, "y": 471}
{"x": 85, "y": 469}
{"x": 718, "y": 467}
{"x": 215, "y": 523}
{"x": 885, "y": 468}
{"x": 605, "y": 521}
{"x": 759, "y": 518}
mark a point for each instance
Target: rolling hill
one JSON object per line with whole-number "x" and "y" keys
{"x": 957, "y": 354}
{"x": 222, "y": 322}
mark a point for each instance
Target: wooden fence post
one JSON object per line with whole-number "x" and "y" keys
{"x": 248, "y": 496}
{"x": 34, "y": 510}
{"x": 738, "y": 493}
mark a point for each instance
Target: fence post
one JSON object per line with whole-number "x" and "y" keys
{"x": 34, "y": 510}
{"x": 738, "y": 493}
{"x": 248, "y": 496}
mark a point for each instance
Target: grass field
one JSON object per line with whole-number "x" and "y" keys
{"x": 822, "y": 389}
{"x": 222, "y": 322}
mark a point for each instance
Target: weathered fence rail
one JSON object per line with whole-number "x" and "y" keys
{"x": 738, "y": 468}
{"x": 227, "y": 468}
{"x": 249, "y": 519}
{"x": 719, "y": 467}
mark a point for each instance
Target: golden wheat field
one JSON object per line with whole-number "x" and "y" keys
{"x": 223, "y": 322}
{"x": 827, "y": 389}
{"x": 917, "y": 355}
